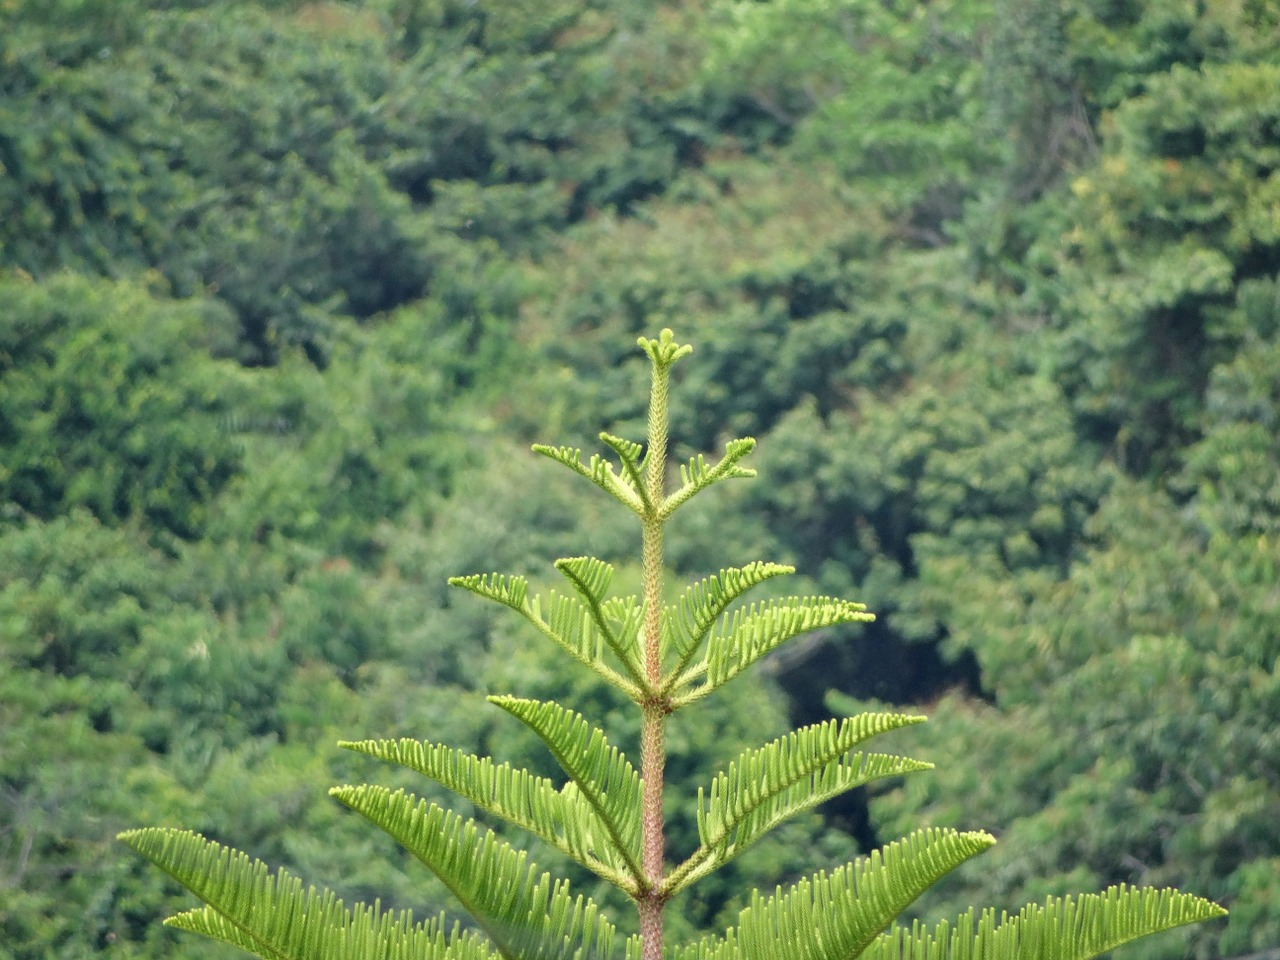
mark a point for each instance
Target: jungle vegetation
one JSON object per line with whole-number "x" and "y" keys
{"x": 995, "y": 284}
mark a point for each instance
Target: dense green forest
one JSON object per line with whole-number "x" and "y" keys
{"x": 995, "y": 283}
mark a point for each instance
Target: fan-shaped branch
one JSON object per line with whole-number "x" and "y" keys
{"x": 1071, "y": 928}
{"x": 629, "y": 453}
{"x": 598, "y": 470}
{"x": 836, "y": 916}
{"x": 765, "y": 787}
{"x": 511, "y": 592}
{"x": 743, "y": 637}
{"x": 686, "y": 624}
{"x": 524, "y": 913}
{"x": 380, "y": 939}
{"x": 606, "y": 779}
{"x": 273, "y": 916}
{"x": 569, "y": 623}
{"x": 696, "y": 476}
{"x": 561, "y": 817}
{"x": 617, "y": 622}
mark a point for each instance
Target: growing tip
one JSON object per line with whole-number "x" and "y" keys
{"x": 664, "y": 351}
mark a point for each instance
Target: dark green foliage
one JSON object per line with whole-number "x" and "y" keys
{"x": 1139, "y": 262}
{"x": 879, "y": 91}
{"x": 320, "y": 162}
{"x": 993, "y": 284}
{"x": 109, "y": 403}
{"x": 1171, "y": 722}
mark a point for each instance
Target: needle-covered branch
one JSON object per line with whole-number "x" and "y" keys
{"x": 744, "y": 636}
{"x": 603, "y": 775}
{"x": 272, "y": 914}
{"x": 599, "y": 471}
{"x": 617, "y": 619}
{"x": 687, "y": 623}
{"x": 1064, "y": 928}
{"x": 696, "y": 475}
{"x": 562, "y": 817}
{"x": 524, "y": 912}
{"x": 764, "y": 787}
{"x": 568, "y": 623}
{"x": 835, "y": 916}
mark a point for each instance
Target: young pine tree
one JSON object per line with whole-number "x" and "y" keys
{"x": 608, "y": 816}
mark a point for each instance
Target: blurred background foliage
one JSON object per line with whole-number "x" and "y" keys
{"x": 287, "y": 288}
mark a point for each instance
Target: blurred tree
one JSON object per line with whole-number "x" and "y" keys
{"x": 107, "y": 401}
{"x": 1137, "y": 269}
{"x": 76, "y": 602}
{"x": 1155, "y": 652}
{"x": 887, "y": 93}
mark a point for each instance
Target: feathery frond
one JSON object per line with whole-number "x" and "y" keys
{"x": 604, "y": 776}
{"x": 598, "y": 470}
{"x": 836, "y": 916}
{"x": 569, "y": 623}
{"x": 623, "y": 615}
{"x": 618, "y": 623}
{"x": 629, "y": 452}
{"x": 561, "y": 817}
{"x": 1070, "y": 928}
{"x": 272, "y": 915}
{"x": 686, "y": 624}
{"x": 696, "y": 476}
{"x": 382, "y": 939}
{"x": 209, "y": 923}
{"x": 766, "y": 786}
{"x": 589, "y": 576}
{"x": 743, "y": 637}
{"x": 523, "y": 912}
{"x": 507, "y": 590}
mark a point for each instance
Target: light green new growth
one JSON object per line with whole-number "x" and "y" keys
{"x": 607, "y": 816}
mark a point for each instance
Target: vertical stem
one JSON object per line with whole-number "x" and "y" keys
{"x": 655, "y": 480}
{"x": 653, "y": 752}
